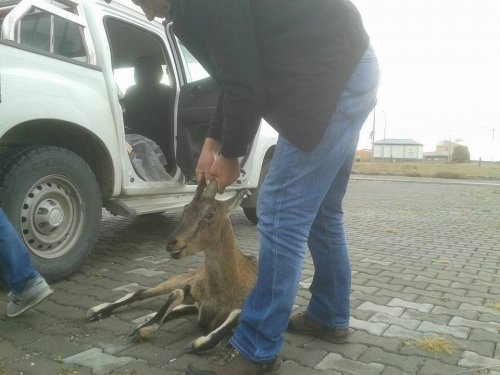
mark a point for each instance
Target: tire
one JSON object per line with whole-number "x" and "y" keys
{"x": 251, "y": 212}
{"x": 53, "y": 200}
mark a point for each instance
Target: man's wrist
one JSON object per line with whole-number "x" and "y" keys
{"x": 229, "y": 151}
{"x": 212, "y": 144}
{"x": 227, "y": 158}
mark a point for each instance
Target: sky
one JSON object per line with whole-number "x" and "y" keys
{"x": 440, "y": 65}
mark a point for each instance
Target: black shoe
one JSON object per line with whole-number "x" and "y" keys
{"x": 230, "y": 362}
{"x": 300, "y": 323}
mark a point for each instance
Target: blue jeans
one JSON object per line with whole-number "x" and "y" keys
{"x": 299, "y": 204}
{"x": 15, "y": 261}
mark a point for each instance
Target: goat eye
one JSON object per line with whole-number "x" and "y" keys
{"x": 209, "y": 215}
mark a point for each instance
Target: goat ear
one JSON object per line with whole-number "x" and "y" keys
{"x": 200, "y": 189}
{"x": 235, "y": 201}
{"x": 211, "y": 190}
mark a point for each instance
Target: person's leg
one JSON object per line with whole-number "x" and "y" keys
{"x": 294, "y": 191}
{"x": 331, "y": 286}
{"x": 328, "y": 312}
{"x": 15, "y": 261}
{"x": 289, "y": 201}
{"x": 28, "y": 287}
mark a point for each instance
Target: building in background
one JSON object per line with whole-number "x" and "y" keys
{"x": 444, "y": 151}
{"x": 363, "y": 155}
{"x": 398, "y": 150}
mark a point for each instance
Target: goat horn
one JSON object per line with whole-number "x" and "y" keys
{"x": 200, "y": 189}
{"x": 211, "y": 190}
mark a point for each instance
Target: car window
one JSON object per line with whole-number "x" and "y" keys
{"x": 127, "y": 43}
{"x": 50, "y": 33}
{"x": 68, "y": 39}
{"x": 192, "y": 68}
{"x": 35, "y": 31}
{"x": 124, "y": 77}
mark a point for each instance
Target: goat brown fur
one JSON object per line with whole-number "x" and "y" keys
{"x": 217, "y": 290}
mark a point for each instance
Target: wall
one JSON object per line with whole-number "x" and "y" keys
{"x": 405, "y": 152}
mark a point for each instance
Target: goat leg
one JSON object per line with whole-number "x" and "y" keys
{"x": 175, "y": 299}
{"x": 206, "y": 343}
{"x": 103, "y": 310}
{"x": 182, "y": 310}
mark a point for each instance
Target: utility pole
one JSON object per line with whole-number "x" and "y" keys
{"x": 385, "y": 127}
{"x": 493, "y": 144}
{"x": 449, "y": 149}
{"x": 373, "y": 132}
{"x": 385, "y": 122}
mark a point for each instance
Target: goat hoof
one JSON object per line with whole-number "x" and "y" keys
{"x": 189, "y": 348}
{"x": 135, "y": 336}
{"x": 92, "y": 316}
{"x": 96, "y": 312}
{"x": 142, "y": 333}
{"x": 200, "y": 346}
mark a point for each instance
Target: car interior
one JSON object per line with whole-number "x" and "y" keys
{"x": 143, "y": 76}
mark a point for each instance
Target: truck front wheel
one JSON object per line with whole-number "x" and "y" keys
{"x": 53, "y": 200}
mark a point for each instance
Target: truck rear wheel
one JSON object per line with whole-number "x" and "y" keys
{"x": 251, "y": 210}
{"x": 53, "y": 200}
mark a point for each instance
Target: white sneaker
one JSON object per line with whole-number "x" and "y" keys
{"x": 35, "y": 291}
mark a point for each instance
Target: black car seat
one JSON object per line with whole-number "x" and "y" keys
{"x": 148, "y": 105}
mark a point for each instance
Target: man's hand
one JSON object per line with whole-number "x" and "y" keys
{"x": 208, "y": 154}
{"x": 225, "y": 171}
{"x": 212, "y": 166}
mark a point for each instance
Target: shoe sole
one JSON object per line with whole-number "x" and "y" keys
{"x": 276, "y": 372}
{"x": 39, "y": 299}
{"x": 188, "y": 372}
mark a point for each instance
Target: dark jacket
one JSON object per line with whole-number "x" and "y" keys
{"x": 284, "y": 60}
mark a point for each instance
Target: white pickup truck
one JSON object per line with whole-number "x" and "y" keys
{"x": 99, "y": 107}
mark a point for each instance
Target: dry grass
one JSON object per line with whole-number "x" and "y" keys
{"x": 434, "y": 345}
{"x": 465, "y": 171}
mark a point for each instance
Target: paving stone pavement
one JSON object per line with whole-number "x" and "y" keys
{"x": 426, "y": 266}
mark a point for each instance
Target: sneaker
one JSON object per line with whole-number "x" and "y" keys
{"x": 230, "y": 362}
{"x": 35, "y": 291}
{"x": 300, "y": 323}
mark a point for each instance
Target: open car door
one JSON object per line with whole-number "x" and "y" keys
{"x": 197, "y": 103}
{"x": 198, "y": 98}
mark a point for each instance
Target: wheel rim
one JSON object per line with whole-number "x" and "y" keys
{"x": 52, "y": 216}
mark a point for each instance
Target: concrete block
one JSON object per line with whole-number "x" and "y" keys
{"x": 334, "y": 362}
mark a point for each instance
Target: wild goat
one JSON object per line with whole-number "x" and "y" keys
{"x": 217, "y": 290}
